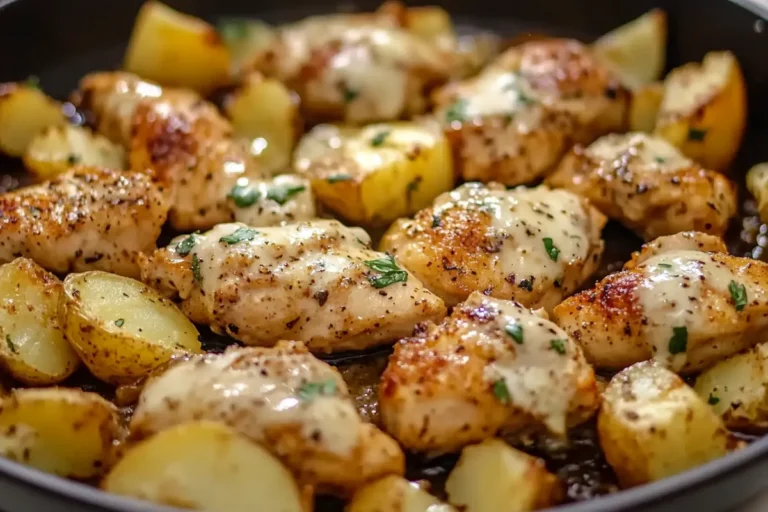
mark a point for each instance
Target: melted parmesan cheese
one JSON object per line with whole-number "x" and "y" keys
{"x": 654, "y": 154}
{"x": 268, "y": 212}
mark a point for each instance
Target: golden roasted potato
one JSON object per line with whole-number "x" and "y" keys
{"x": 652, "y": 425}
{"x": 121, "y": 328}
{"x": 395, "y": 494}
{"x": 57, "y": 148}
{"x": 33, "y": 349}
{"x": 63, "y": 431}
{"x": 493, "y": 476}
{"x": 737, "y": 389}
{"x": 245, "y": 38}
{"x": 376, "y": 174}
{"x": 206, "y": 466}
{"x": 636, "y": 50}
{"x": 175, "y": 49}
{"x": 757, "y": 184}
{"x": 644, "y": 107}
{"x": 25, "y": 111}
{"x": 267, "y": 114}
{"x": 704, "y": 110}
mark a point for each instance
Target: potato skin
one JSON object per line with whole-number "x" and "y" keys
{"x": 652, "y": 425}
{"x": 67, "y": 432}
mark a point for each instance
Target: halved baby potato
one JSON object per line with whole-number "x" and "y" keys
{"x": 636, "y": 50}
{"x": 644, "y": 107}
{"x": 378, "y": 173}
{"x": 395, "y": 494}
{"x": 206, "y": 466}
{"x": 267, "y": 114}
{"x": 175, "y": 49}
{"x": 121, "y": 328}
{"x": 57, "y": 148}
{"x": 67, "y": 432}
{"x": 32, "y": 345}
{"x": 25, "y": 111}
{"x": 757, "y": 184}
{"x": 652, "y": 425}
{"x": 704, "y": 109}
{"x": 493, "y": 476}
{"x": 737, "y": 389}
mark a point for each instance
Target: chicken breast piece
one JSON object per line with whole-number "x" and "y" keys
{"x": 188, "y": 146}
{"x": 532, "y": 245}
{"x": 648, "y": 185}
{"x": 295, "y": 405}
{"x": 682, "y": 301}
{"x": 355, "y": 68}
{"x": 492, "y": 367}
{"x": 84, "y": 219}
{"x": 518, "y": 117}
{"x": 316, "y": 282}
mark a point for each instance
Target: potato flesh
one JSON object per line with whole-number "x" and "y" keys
{"x": 67, "y": 432}
{"x": 205, "y": 466}
{"x": 644, "y": 107}
{"x": 24, "y": 112}
{"x": 32, "y": 348}
{"x": 395, "y": 494}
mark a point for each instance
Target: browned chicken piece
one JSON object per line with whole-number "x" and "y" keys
{"x": 532, "y": 245}
{"x": 84, "y": 219}
{"x": 355, "y": 68}
{"x": 316, "y": 282}
{"x": 682, "y": 300}
{"x": 187, "y": 145}
{"x": 517, "y": 118}
{"x": 493, "y": 367}
{"x": 294, "y": 404}
{"x": 648, "y": 185}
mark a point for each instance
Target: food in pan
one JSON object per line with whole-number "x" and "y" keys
{"x": 317, "y": 265}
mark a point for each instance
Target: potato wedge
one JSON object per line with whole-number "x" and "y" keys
{"x": 757, "y": 184}
{"x": 175, "y": 49}
{"x": 652, "y": 425}
{"x": 704, "y": 110}
{"x": 737, "y": 389}
{"x": 206, "y": 466}
{"x": 63, "y": 431}
{"x": 644, "y": 107}
{"x": 266, "y": 113}
{"x": 395, "y": 494}
{"x": 376, "y": 174}
{"x": 57, "y": 148}
{"x": 245, "y": 38}
{"x": 493, "y": 476}
{"x": 25, "y": 111}
{"x": 121, "y": 328}
{"x": 636, "y": 50}
{"x": 33, "y": 349}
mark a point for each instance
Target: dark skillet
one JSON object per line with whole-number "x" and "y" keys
{"x": 61, "y": 40}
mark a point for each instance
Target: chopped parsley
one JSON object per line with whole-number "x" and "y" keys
{"x": 551, "y": 249}
{"x": 196, "y": 269}
{"x": 660, "y": 159}
{"x": 457, "y": 111}
{"x": 33, "y": 81}
{"x": 557, "y": 345}
{"x": 515, "y": 331}
{"x": 664, "y": 265}
{"x": 526, "y": 284}
{"x": 120, "y": 322}
{"x": 72, "y": 159}
{"x": 501, "y": 392}
{"x": 713, "y": 400}
{"x": 311, "y": 390}
{"x": 243, "y": 196}
{"x": 387, "y": 272}
{"x": 559, "y": 282}
{"x": 336, "y": 178}
{"x": 240, "y": 235}
{"x": 413, "y": 185}
{"x": 678, "y": 343}
{"x": 233, "y": 29}
{"x": 524, "y": 99}
{"x": 11, "y": 345}
{"x": 281, "y": 195}
{"x": 436, "y": 221}
{"x": 186, "y": 245}
{"x": 738, "y": 294}
{"x": 350, "y": 95}
{"x": 696, "y": 134}
{"x": 379, "y": 138}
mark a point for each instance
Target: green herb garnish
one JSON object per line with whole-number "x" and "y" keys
{"x": 244, "y": 196}
{"x": 281, "y": 195}
{"x": 336, "y": 178}
{"x": 379, "y": 138}
{"x": 233, "y": 29}
{"x": 557, "y": 345}
{"x": 501, "y": 392}
{"x": 186, "y": 245}
{"x": 660, "y": 160}
{"x": 350, "y": 95}
{"x": 697, "y": 135}
{"x": 526, "y": 284}
{"x": 457, "y": 112}
{"x": 240, "y": 235}
{"x": 435, "y": 221}
{"x": 738, "y": 294}
{"x": 551, "y": 249}
{"x": 310, "y": 390}
{"x": 196, "y": 269}
{"x": 33, "y": 81}
{"x": 72, "y": 159}
{"x": 388, "y": 272}
{"x": 678, "y": 343}
{"x": 11, "y": 345}
{"x": 515, "y": 331}
{"x": 120, "y": 322}
{"x": 713, "y": 400}
{"x": 664, "y": 265}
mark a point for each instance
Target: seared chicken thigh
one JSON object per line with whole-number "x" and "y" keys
{"x": 297, "y": 406}
{"x": 492, "y": 367}
{"x": 648, "y": 185}
{"x": 85, "y": 219}
{"x": 515, "y": 120}
{"x": 317, "y": 282}
{"x": 188, "y": 146}
{"x": 682, "y": 301}
{"x": 532, "y": 245}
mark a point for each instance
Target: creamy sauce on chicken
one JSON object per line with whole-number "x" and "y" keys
{"x": 617, "y": 151}
{"x": 285, "y": 198}
{"x": 498, "y": 92}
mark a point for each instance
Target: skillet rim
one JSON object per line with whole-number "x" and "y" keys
{"x": 75, "y": 493}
